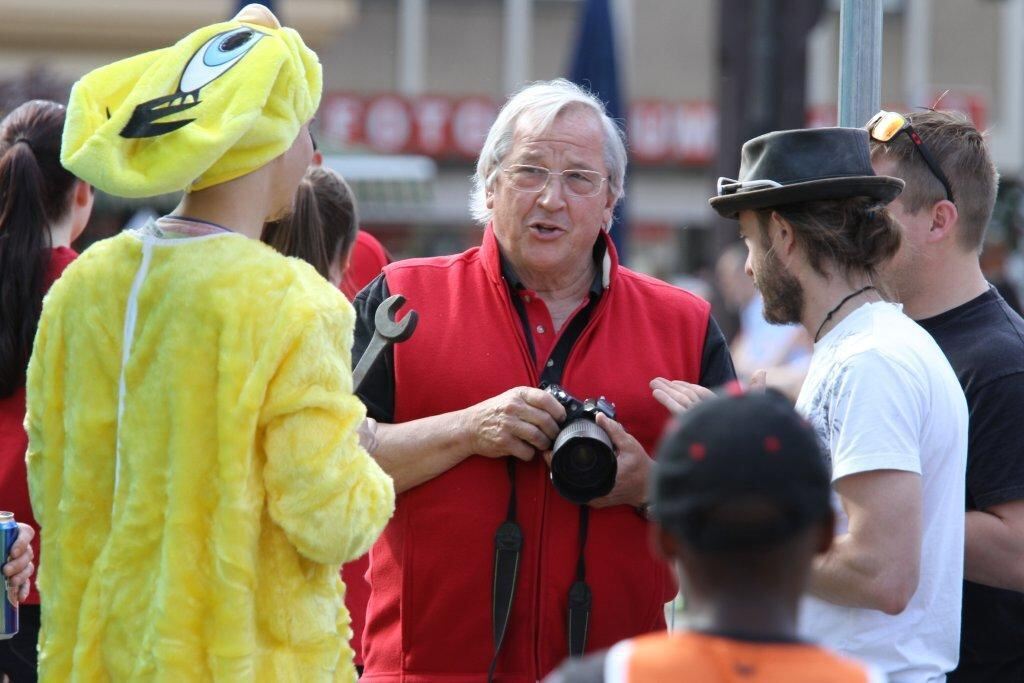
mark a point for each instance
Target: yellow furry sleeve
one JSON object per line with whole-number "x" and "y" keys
{"x": 328, "y": 495}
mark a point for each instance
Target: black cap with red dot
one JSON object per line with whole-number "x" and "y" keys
{"x": 740, "y": 472}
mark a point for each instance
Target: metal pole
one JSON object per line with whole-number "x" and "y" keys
{"x": 412, "y": 46}
{"x": 860, "y": 61}
{"x": 518, "y": 38}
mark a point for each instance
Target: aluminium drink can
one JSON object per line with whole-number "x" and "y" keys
{"x": 9, "y": 610}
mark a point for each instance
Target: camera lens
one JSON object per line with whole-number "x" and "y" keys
{"x": 583, "y": 464}
{"x": 582, "y": 458}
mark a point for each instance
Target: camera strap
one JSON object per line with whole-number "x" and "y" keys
{"x": 579, "y": 595}
{"x": 508, "y": 546}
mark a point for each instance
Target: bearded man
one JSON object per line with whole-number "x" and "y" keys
{"x": 879, "y": 392}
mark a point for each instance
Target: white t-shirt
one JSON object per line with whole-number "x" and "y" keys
{"x": 881, "y": 395}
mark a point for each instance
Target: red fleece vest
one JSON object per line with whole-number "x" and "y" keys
{"x": 429, "y": 616}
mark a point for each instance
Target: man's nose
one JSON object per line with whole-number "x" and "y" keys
{"x": 552, "y": 195}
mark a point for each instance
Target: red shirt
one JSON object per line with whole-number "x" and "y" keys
{"x": 429, "y": 617}
{"x": 367, "y": 260}
{"x": 14, "y": 440}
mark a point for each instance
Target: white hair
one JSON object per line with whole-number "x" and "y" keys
{"x": 543, "y": 101}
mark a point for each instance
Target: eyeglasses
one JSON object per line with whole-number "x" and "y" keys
{"x": 885, "y": 125}
{"x": 577, "y": 182}
{"x": 730, "y": 186}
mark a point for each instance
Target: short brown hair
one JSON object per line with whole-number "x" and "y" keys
{"x": 856, "y": 235}
{"x": 959, "y": 149}
{"x": 323, "y": 223}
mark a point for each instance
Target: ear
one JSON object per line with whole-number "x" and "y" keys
{"x": 82, "y": 194}
{"x": 945, "y": 219}
{"x": 82, "y": 197}
{"x": 781, "y": 234}
{"x": 609, "y": 210}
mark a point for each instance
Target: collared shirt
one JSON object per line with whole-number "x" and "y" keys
{"x": 550, "y": 349}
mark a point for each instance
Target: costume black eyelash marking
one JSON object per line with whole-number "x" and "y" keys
{"x": 144, "y": 121}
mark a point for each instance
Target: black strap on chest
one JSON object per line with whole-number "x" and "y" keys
{"x": 579, "y": 596}
{"x": 508, "y": 540}
{"x": 508, "y": 547}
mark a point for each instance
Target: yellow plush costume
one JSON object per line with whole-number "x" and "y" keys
{"x": 195, "y": 467}
{"x": 193, "y": 457}
{"x": 222, "y": 102}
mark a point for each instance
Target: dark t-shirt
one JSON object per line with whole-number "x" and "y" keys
{"x": 984, "y": 342}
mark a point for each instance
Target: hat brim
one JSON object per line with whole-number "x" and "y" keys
{"x": 882, "y": 188}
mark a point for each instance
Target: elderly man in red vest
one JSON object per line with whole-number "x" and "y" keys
{"x": 488, "y": 569}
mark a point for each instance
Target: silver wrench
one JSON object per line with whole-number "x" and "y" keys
{"x": 387, "y": 331}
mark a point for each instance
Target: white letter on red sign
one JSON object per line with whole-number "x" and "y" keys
{"x": 341, "y": 118}
{"x": 431, "y": 116}
{"x": 388, "y": 124}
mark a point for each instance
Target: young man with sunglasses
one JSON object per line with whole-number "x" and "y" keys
{"x": 882, "y": 397}
{"x": 944, "y": 210}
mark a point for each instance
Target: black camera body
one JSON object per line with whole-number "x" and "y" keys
{"x": 583, "y": 461}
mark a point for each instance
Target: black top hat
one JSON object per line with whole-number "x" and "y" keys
{"x": 794, "y": 166}
{"x": 729, "y": 452}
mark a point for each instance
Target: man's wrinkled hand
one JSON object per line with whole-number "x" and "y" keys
{"x": 19, "y": 567}
{"x": 633, "y": 464}
{"x": 518, "y": 422}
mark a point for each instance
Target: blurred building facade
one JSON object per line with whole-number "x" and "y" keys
{"x": 411, "y": 87}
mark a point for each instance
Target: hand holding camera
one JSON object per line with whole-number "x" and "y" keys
{"x": 594, "y": 460}
{"x": 633, "y": 467}
{"x": 518, "y": 422}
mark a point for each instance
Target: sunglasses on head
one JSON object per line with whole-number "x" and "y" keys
{"x": 727, "y": 186}
{"x": 885, "y": 125}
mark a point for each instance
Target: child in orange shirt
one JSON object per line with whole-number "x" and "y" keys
{"x": 740, "y": 496}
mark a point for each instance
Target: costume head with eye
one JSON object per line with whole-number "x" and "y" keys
{"x": 222, "y": 102}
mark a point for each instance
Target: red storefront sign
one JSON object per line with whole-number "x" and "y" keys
{"x": 975, "y": 106}
{"x": 660, "y": 132}
{"x": 672, "y": 132}
{"x": 435, "y": 126}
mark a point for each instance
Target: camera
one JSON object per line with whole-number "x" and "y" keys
{"x": 583, "y": 464}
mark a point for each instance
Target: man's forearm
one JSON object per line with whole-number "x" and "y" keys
{"x": 850, "y": 577}
{"x": 994, "y": 551}
{"x": 417, "y": 451}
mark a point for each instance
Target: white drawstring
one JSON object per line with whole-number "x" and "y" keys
{"x": 130, "y": 317}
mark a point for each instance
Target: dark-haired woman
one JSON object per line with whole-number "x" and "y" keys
{"x": 322, "y": 226}
{"x": 43, "y": 208}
